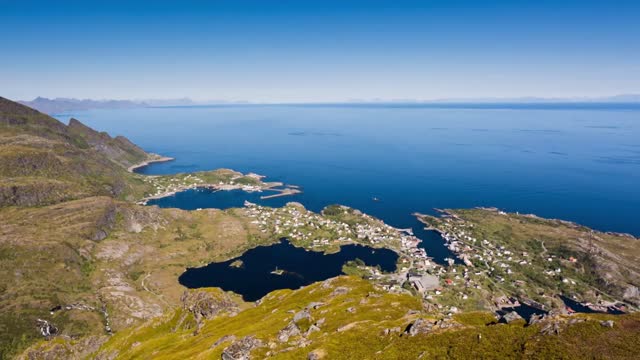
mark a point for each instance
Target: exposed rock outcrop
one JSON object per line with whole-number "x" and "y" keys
{"x": 46, "y": 328}
{"x": 206, "y": 304}
{"x": 424, "y": 326}
{"x": 241, "y": 349}
{"x": 511, "y": 317}
{"x": 420, "y": 326}
{"x": 317, "y": 354}
{"x": 105, "y": 223}
{"x": 289, "y": 331}
{"x": 224, "y": 339}
{"x": 607, "y": 323}
{"x": 340, "y": 290}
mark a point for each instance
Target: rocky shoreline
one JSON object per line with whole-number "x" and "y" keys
{"x": 155, "y": 158}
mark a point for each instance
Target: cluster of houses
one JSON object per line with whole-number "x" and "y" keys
{"x": 167, "y": 186}
{"x": 297, "y": 224}
{"x": 317, "y": 231}
{"x": 491, "y": 260}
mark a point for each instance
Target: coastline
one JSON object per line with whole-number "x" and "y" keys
{"x": 155, "y": 158}
{"x": 226, "y": 187}
{"x": 223, "y": 180}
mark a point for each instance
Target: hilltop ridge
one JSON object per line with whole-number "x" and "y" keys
{"x": 43, "y": 161}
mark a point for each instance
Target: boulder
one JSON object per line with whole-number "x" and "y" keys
{"x": 46, "y": 328}
{"x": 241, "y": 349}
{"x": 535, "y": 318}
{"x": 420, "y": 326}
{"x": 316, "y": 354}
{"x": 551, "y": 328}
{"x": 607, "y": 323}
{"x": 314, "y": 305}
{"x": 290, "y": 330}
{"x": 312, "y": 329}
{"x": 304, "y": 314}
{"x": 511, "y": 317}
{"x": 395, "y": 330}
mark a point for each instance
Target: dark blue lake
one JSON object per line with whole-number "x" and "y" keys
{"x": 254, "y": 278}
{"x": 579, "y": 163}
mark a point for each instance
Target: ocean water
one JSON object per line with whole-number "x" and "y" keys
{"x": 578, "y": 163}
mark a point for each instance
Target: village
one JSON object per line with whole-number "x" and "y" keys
{"x": 487, "y": 274}
{"x": 216, "y": 180}
{"x": 340, "y": 225}
{"x": 508, "y": 274}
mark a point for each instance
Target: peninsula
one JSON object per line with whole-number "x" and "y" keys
{"x": 153, "y": 158}
{"x": 218, "y": 180}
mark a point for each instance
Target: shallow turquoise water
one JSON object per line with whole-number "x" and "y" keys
{"x": 579, "y": 164}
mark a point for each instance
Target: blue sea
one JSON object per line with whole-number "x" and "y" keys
{"x": 574, "y": 162}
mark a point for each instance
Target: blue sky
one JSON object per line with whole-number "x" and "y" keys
{"x": 279, "y": 50}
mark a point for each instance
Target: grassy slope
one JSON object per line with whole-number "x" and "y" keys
{"x": 86, "y": 249}
{"x": 49, "y": 256}
{"x": 43, "y": 161}
{"x": 375, "y": 310}
{"x": 118, "y": 149}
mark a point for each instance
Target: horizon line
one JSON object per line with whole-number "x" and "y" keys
{"x": 187, "y": 101}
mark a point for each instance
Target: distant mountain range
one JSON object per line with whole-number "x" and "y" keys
{"x": 623, "y": 98}
{"x": 60, "y": 105}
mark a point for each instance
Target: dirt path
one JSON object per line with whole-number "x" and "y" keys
{"x": 144, "y": 286}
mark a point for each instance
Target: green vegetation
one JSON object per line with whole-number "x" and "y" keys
{"x": 356, "y": 325}
{"x": 55, "y": 261}
{"x": 528, "y": 257}
{"x": 346, "y": 215}
{"x": 43, "y": 161}
{"x": 356, "y": 268}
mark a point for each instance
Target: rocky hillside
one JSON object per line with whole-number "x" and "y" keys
{"x": 349, "y": 318}
{"x": 118, "y": 149}
{"x": 43, "y": 161}
{"x": 95, "y": 266}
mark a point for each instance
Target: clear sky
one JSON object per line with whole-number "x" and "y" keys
{"x": 280, "y": 50}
